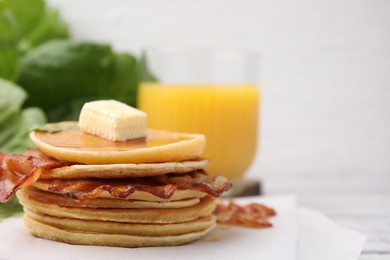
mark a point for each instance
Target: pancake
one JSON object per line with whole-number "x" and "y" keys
{"x": 100, "y": 239}
{"x": 161, "y": 216}
{"x": 123, "y": 170}
{"x": 108, "y": 227}
{"x": 80, "y": 188}
{"x": 78, "y": 147}
{"x": 52, "y": 198}
{"x": 140, "y": 195}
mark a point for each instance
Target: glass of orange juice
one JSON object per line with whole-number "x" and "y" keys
{"x": 209, "y": 91}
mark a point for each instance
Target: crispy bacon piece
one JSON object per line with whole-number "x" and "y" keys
{"x": 160, "y": 186}
{"x": 253, "y": 215}
{"x": 20, "y": 170}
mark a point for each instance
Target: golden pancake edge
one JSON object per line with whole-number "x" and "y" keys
{"x": 123, "y": 170}
{"x": 159, "y": 146}
{"x": 101, "y": 239}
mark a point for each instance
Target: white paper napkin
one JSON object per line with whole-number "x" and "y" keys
{"x": 321, "y": 239}
{"x": 278, "y": 242}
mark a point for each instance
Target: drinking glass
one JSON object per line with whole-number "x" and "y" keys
{"x": 212, "y": 91}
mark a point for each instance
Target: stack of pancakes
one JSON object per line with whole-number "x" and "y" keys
{"x": 160, "y": 202}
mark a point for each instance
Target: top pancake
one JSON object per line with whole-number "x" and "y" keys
{"x": 159, "y": 146}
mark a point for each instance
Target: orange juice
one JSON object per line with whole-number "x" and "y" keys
{"x": 226, "y": 114}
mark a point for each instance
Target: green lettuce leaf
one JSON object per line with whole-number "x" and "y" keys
{"x": 61, "y": 75}
{"x": 30, "y": 118}
{"x": 11, "y": 100}
{"x": 49, "y": 27}
{"x": 9, "y": 62}
{"x": 23, "y": 25}
{"x": 11, "y": 208}
{"x": 15, "y": 124}
{"x": 123, "y": 84}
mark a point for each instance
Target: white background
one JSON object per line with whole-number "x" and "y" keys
{"x": 325, "y": 71}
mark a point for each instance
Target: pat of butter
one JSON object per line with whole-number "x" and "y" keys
{"x": 112, "y": 120}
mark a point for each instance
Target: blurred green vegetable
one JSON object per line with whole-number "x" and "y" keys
{"x": 15, "y": 124}
{"x": 23, "y": 25}
{"x": 11, "y": 208}
{"x": 56, "y": 76}
{"x": 61, "y": 75}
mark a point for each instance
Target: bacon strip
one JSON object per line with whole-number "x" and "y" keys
{"x": 20, "y": 170}
{"x": 160, "y": 186}
{"x": 253, "y": 215}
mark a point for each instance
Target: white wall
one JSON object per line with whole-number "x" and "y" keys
{"x": 325, "y": 71}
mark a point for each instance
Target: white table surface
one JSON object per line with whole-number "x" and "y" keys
{"x": 362, "y": 205}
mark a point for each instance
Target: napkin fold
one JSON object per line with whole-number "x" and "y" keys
{"x": 321, "y": 239}
{"x": 297, "y": 233}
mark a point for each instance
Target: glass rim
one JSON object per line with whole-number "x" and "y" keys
{"x": 212, "y": 49}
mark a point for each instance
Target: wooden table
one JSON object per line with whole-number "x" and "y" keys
{"x": 361, "y": 205}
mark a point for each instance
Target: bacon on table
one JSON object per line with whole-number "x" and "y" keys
{"x": 253, "y": 215}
